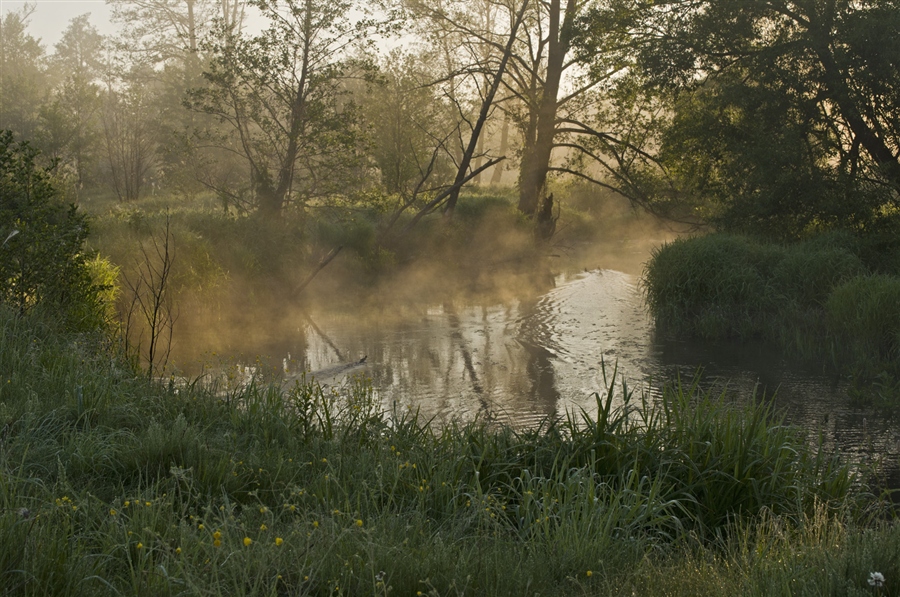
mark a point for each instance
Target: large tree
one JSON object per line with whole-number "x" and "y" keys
{"x": 281, "y": 99}
{"x": 70, "y": 128}
{"x": 781, "y": 115}
{"x": 545, "y": 85}
{"x": 23, "y": 77}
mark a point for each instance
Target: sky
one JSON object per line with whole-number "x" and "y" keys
{"x": 51, "y": 17}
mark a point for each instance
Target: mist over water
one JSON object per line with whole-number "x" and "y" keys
{"x": 521, "y": 357}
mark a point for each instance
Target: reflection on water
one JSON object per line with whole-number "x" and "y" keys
{"x": 524, "y": 360}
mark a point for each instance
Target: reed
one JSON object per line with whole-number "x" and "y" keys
{"x": 817, "y": 300}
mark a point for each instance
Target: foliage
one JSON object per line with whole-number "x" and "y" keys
{"x": 111, "y": 484}
{"x": 282, "y": 100}
{"x": 814, "y": 298}
{"x": 21, "y": 73}
{"x": 782, "y": 117}
{"x": 42, "y": 264}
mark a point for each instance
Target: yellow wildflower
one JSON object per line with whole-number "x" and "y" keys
{"x": 278, "y": 540}
{"x": 359, "y": 522}
{"x": 177, "y": 550}
{"x": 247, "y": 541}
{"x": 263, "y": 527}
{"x": 589, "y": 573}
{"x": 112, "y": 512}
{"x": 140, "y": 545}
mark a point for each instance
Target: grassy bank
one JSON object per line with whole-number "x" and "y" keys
{"x": 834, "y": 298}
{"x": 113, "y": 485}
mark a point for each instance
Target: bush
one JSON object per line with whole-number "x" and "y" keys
{"x": 805, "y": 297}
{"x": 42, "y": 266}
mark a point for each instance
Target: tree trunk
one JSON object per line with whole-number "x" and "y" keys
{"x": 536, "y": 158}
{"x": 497, "y": 175}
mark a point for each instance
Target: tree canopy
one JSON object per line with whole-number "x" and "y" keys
{"x": 781, "y": 116}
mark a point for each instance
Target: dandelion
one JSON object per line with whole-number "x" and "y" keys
{"x": 148, "y": 504}
{"x": 315, "y": 524}
{"x": 140, "y": 545}
{"x": 217, "y": 535}
{"x": 876, "y": 579}
{"x": 278, "y": 540}
{"x": 589, "y": 574}
{"x": 292, "y": 508}
{"x": 177, "y": 550}
{"x": 217, "y": 543}
{"x": 112, "y": 512}
{"x": 247, "y": 541}
{"x": 263, "y": 510}
{"x": 359, "y": 522}
{"x": 200, "y": 527}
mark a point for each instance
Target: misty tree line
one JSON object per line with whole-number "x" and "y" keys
{"x": 757, "y": 115}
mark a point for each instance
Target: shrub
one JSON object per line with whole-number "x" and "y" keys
{"x": 42, "y": 265}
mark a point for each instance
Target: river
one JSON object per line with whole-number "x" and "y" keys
{"x": 522, "y": 360}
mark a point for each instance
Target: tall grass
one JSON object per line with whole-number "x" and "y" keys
{"x": 112, "y": 485}
{"x": 816, "y": 299}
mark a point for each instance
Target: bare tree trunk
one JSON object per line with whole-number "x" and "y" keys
{"x": 486, "y": 105}
{"x": 536, "y": 159}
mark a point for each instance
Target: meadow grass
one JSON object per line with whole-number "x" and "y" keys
{"x": 111, "y": 484}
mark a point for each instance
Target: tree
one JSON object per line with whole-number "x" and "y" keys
{"x": 781, "y": 112}
{"x": 544, "y": 85}
{"x": 282, "y": 103}
{"x": 130, "y": 120}
{"x": 23, "y": 82}
{"x": 42, "y": 263}
{"x": 167, "y": 31}
{"x": 69, "y": 121}
{"x": 410, "y": 126}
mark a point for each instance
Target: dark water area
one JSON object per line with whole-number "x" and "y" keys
{"x": 522, "y": 360}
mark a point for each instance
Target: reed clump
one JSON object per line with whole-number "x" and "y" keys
{"x": 113, "y": 484}
{"x": 829, "y": 298}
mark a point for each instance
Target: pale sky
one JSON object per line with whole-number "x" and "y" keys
{"x": 51, "y": 17}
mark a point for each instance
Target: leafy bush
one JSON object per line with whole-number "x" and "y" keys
{"x": 42, "y": 265}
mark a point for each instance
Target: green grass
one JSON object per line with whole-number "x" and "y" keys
{"x": 112, "y": 485}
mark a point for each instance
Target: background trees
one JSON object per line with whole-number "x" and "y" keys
{"x": 23, "y": 83}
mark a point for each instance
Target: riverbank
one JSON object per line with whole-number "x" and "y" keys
{"x": 833, "y": 299}
{"x": 116, "y": 485}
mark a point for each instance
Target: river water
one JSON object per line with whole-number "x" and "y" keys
{"x": 522, "y": 360}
